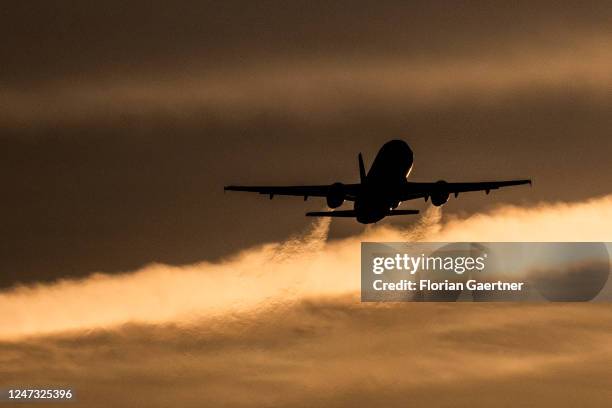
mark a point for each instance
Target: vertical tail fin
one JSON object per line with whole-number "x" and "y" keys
{"x": 362, "y": 172}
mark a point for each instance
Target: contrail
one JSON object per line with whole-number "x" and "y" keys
{"x": 305, "y": 266}
{"x": 311, "y": 241}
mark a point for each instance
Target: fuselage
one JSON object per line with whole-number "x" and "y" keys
{"x": 378, "y": 193}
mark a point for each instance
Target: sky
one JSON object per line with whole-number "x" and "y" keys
{"x": 120, "y": 124}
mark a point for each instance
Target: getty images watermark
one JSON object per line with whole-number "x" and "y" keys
{"x": 492, "y": 271}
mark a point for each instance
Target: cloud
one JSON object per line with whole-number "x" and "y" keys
{"x": 304, "y": 267}
{"x": 324, "y": 88}
{"x": 579, "y": 222}
{"x": 286, "y": 316}
{"x": 334, "y": 351}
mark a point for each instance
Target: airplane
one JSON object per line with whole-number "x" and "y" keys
{"x": 382, "y": 188}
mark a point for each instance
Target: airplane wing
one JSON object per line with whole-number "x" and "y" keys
{"x": 349, "y": 190}
{"x": 419, "y": 190}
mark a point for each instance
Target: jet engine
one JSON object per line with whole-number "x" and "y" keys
{"x": 440, "y": 194}
{"x": 335, "y": 196}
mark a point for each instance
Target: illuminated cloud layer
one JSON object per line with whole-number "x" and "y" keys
{"x": 303, "y": 267}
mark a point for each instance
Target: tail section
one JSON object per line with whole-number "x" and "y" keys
{"x": 362, "y": 172}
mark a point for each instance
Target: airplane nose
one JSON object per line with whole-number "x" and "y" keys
{"x": 399, "y": 145}
{"x": 399, "y": 149}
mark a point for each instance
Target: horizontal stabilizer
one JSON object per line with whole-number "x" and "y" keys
{"x": 340, "y": 213}
{"x": 403, "y": 212}
{"x": 351, "y": 213}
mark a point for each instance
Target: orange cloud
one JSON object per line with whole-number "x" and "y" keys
{"x": 272, "y": 274}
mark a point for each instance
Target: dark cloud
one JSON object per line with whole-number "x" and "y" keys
{"x": 46, "y": 41}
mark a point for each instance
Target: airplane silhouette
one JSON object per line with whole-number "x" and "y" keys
{"x": 381, "y": 190}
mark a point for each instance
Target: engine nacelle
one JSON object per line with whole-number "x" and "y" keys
{"x": 440, "y": 195}
{"x": 335, "y": 196}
